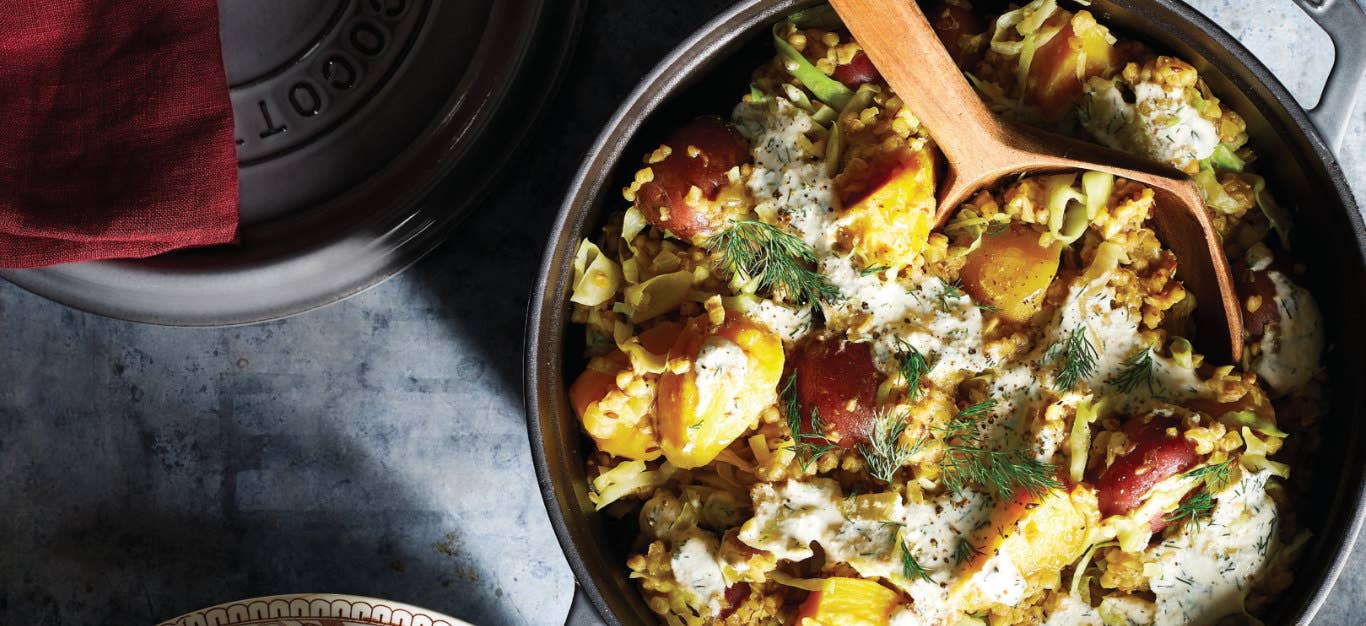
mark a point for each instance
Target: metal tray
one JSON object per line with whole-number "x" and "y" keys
{"x": 365, "y": 129}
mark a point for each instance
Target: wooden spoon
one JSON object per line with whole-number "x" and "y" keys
{"x": 982, "y": 149}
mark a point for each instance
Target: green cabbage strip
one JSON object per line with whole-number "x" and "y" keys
{"x": 1079, "y": 441}
{"x": 1223, "y": 160}
{"x": 1279, "y": 217}
{"x": 835, "y": 144}
{"x": 1067, "y": 208}
{"x": 828, "y": 90}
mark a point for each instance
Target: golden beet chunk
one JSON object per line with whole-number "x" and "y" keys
{"x": 617, "y": 419}
{"x": 616, "y": 405}
{"x": 1010, "y": 271}
{"x": 848, "y": 602}
{"x": 1036, "y": 534}
{"x": 719, "y": 379}
{"x": 1060, "y": 67}
{"x": 888, "y": 206}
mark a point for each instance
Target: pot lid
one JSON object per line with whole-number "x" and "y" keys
{"x": 365, "y": 129}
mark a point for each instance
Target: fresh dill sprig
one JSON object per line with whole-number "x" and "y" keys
{"x": 913, "y": 366}
{"x": 884, "y": 453}
{"x": 988, "y": 308}
{"x": 777, "y": 260}
{"x": 965, "y": 425}
{"x": 872, "y": 269}
{"x": 1217, "y": 476}
{"x": 807, "y": 446}
{"x": 1194, "y": 509}
{"x": 1078, "y": 359}
{"x": 979, "y": 409}
{"x": 1138, "y": 370}
{"x": 964, "y": 551}
{"x": 950, "y": 291}
{"x": 910, "y": 568}
{"x": 1003, "y": 472}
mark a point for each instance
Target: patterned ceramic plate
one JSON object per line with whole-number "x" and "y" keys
{"x": 314, "y": 609}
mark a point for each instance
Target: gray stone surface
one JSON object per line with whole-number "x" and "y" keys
{"x": 375, "y": 447}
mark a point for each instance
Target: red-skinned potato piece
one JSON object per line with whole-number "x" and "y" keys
{"x": 858, "y": 71}
{"x": 735, "y": 594}
{"x": 1153, "y": 456}
{"x": 1256, "y": 285}
{"x": 1054, "y": 82}
{"x": 837, "y": 379}
{"x": 953, "y": 23}
{"x": 700, "y": 154}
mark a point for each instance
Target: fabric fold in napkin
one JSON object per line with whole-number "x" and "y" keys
{"x": 117, "y": 137}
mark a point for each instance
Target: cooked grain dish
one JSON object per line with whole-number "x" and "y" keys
{"x": 818, "y": 409}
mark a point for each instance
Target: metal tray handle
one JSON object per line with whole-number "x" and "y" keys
{"x": 1345, "y": 23}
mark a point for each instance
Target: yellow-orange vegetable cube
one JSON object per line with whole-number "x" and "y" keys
{"x": 1060, "y": 67}
{"x": 718, "y": 380}
{"x": 889, "y": 207}
{"x": 1010, "y": 271}
{"x": 848, "y": 602}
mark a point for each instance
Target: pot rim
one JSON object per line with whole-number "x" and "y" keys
{"x": 658, "y": 85}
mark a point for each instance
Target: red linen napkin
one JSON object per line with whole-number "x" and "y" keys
{"x": 116, "y": 135}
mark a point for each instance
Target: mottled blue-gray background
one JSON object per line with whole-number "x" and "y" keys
{"x": 375, "y": 447}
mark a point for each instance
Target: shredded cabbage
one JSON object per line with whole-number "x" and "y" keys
{"x": 1254, "y": 456}
{"x": 1067, "y": 208}
{"x": 1223, "y": 159}
{"x": 808, "y": 584}
{"x": 828, "y": 90}
{"x": 626, "y": 478}
{"x": 1108, "y": 257}
{"x": 968, "y": 223}
{"x": 1097, "y": 186}
{"x": 1088, "y": 410}
{"x": 1024, "y": 21}
{"x": 658, "y": 295}
{"x": 1216, "y": 197}
{"x": 631, "y": 225}
{"x": 1083, "y": 563}
{"x": 1276, "y": 214}
{"x": 1183, "y": 353}
{"x": 835, "y": 144}
{"x": 1254, "y": 421}
{"x": 596, "y": 277}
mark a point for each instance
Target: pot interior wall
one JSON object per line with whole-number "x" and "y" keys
{"x": 716, "y": 73}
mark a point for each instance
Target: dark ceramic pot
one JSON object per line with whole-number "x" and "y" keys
{"x": 707, "y": 71}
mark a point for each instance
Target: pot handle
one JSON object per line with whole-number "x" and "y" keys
{"x": 581, "y": 611}
{"x": 1345, "y": 23}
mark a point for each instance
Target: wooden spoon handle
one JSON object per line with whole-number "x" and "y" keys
{"x": 899, "y": 40}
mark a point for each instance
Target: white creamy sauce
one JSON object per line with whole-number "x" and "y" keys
{"x": 885, "y": 301}
{"x": 697, "y": 570}
{"x": 1292, "y": 348}
{"x": 1125, "y": 611}
{"x": 1160, "y": 124}
{"x": 946, "y": 328}
{"x": 786, "y": 186}
{"x": 790, "y": 516}
{"x": 1204, "y": 573}
{"x": 789, "y": 323}
{"x": 1000, "y": 581}
{"x": 1073, "y": 612}
{"x": 1114, "y": 333}
{"x": 720, "y": 367}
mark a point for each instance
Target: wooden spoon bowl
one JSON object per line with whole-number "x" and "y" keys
{"x": 982, "y": 149}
